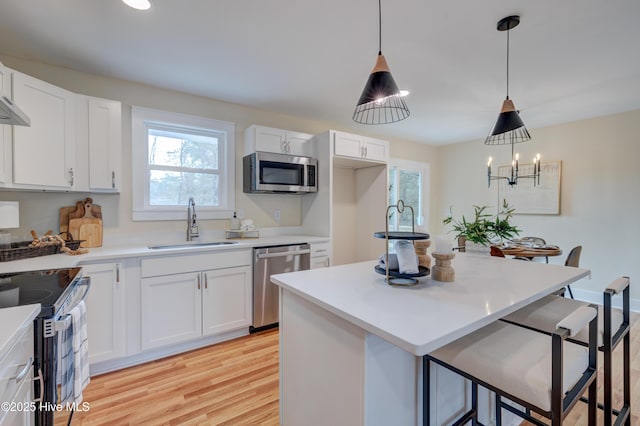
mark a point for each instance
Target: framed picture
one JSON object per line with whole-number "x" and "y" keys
{"x": 527, "y": 198}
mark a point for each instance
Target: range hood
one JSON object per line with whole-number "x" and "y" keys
{"x": 11, "y": 114}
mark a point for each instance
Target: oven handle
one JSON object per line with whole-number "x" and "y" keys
{"x": 65, "y": 320}
{"x": 52, "y": 326}
{"x": 86, "y": 282}
{"x": 40, "y": 379}
{"x": 283, "y": 254}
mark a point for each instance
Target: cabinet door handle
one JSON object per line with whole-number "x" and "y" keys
{"x": 113, "y": 179}
{"x": 118, "y": 273}
{"x": 206, "y": 282}
{"x": 365, "y": 152}
{"x": 71, "y": 176}
{"x": 198, "y": 281}
{"x": 25, "y": 369}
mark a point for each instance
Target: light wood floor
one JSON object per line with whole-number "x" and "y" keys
{"x": 232, "y": 383}
{"x": 235, "y": 383}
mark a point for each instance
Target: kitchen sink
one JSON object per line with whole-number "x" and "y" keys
{"x": 187, "y": 245}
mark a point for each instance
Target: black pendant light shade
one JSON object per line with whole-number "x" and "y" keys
{"x": 509, "y": 128}
{"x": 380, "y": 101}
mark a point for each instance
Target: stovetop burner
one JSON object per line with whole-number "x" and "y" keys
{"x": 34, "y": 295}
{"x": 46, "y": 287}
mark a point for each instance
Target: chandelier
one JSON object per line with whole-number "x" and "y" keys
{"x": 513, "y": 177}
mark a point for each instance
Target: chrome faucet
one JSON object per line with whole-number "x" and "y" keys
{"x": 192, "y": 223}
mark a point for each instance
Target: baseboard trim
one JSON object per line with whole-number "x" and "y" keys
{"x": 154, "y": 354}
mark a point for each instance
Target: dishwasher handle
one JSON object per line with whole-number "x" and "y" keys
{"x": 282, "y": 254}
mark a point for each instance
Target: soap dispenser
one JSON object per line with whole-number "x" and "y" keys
{"x": 235, "y": 222}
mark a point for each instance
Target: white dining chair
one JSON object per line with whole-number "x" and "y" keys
{"x": 543, "y": 373}
{"x": 613, "y": 329}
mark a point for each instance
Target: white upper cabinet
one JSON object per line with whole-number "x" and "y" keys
{"x": 360, "y": 147}
{"x": 267, "y": 139}
{"x": 376, "y": 149}
{"x": 74, "y": 142}
{"x": 44, "y": 153}
{"x": 348, "y": 145}
{"x": 99, "y": 144}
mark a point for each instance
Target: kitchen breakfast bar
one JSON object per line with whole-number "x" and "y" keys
{"x": 352, "y": 345}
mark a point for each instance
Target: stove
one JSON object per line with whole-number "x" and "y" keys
{"x": 50, "y": 288}
{"x": 58, "y": 291}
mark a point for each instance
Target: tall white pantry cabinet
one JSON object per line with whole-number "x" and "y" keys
{"x": 352, "y": 195}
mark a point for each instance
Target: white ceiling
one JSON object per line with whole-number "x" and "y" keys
{"x": 570, "y": 59}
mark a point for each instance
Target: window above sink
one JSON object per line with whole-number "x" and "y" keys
{"x": 177, "y": 156}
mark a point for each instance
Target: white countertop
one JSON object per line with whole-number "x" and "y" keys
{"x": 14, "y": 320}
{"x": 106, "y": 253}
{"x": 431, "y": 314}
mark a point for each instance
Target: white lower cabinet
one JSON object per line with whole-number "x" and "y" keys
{"x": 185, "y": 306}
{"x": 226, "y": 300}
{"x": 106, "y": 322}
{"x": 171, "y": 309}
{"x": 23, "y": 398}
{"x": 16, "y": 381}
{"x": 320, "y": 255}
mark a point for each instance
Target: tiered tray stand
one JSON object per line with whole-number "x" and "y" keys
{"x": 393, "y": 276}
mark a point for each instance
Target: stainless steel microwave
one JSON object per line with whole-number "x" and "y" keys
{"x": 266, "y": 172}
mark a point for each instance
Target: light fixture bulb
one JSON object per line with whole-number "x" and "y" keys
{"x": 138, "y": 4}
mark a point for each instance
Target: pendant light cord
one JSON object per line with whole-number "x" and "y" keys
{"x": 508, "y": 31}
{"x": 379, "y": 27}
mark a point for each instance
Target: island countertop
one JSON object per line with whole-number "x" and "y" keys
{"x": 431, "y": 314}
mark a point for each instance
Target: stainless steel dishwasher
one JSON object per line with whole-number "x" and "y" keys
{"x": 268, "y": 261}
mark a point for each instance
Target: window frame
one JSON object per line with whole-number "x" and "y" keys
{"x": 421, "y": 220}
{"x": 141, "y": 119}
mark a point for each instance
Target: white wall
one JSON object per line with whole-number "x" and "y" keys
{"x": 600, "y": 193}
{"x": 39, "y": 211}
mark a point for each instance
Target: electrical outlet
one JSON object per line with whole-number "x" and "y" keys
{"x": 240, "y": 213}
{"x": 276, "y": 215}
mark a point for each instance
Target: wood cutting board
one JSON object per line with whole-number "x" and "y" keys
{"x": 85, "y": 223}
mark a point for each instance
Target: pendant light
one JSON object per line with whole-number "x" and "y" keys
{"x": 381, "y": 101}
{"x": 509, "y": 128}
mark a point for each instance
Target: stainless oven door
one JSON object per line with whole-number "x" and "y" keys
{"x": 269, "y": 261}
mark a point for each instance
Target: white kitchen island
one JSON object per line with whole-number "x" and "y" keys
{"x": 352, "y": 346}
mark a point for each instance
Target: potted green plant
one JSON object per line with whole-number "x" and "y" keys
{"x": 484, "y": 228}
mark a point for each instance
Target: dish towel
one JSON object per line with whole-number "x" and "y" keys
{"x": 64, "y": 375}
{"x": 393, "y": 261}
{"x": 407, "y": 259}
{"x": 80, "y": 351}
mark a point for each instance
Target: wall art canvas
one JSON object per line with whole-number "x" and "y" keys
{"x": 527, "y": 198}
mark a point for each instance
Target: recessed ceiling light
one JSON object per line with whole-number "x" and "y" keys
{"x": 138, "y": 4}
